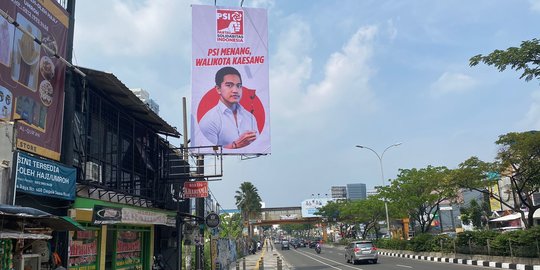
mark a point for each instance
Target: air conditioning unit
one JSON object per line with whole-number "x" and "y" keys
{"x": 92, "y": 171}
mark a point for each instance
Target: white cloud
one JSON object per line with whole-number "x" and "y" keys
{"x": 133, "y": 28}
{"x": 532, "y": 118}
{"x": 449, "y": 83}
{"x": 535, "y": 5}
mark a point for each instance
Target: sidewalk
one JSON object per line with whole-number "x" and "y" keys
{"x": 269, "y": 255}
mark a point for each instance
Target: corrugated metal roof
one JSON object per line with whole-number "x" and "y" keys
{"x": 120, "y": 93}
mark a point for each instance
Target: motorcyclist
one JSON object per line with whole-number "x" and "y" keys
{"x": 318, "y": 247}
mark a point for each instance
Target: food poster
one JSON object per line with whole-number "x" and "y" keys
{"x": 32, "y": 78}
{"x": 83, "y": 249}
{"x": 129, "y": 250}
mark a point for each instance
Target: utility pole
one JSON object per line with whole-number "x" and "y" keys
{"x": 199, "y": 210}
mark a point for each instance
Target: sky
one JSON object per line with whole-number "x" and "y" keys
{"x": 342, "y": 73}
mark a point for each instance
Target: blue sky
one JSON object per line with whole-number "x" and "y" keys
{"x": 342, "y": 73}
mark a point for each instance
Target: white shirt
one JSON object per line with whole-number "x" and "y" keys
{"x": 219, "y": 127}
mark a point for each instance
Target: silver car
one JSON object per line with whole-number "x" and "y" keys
{"x": 361, "y": 251}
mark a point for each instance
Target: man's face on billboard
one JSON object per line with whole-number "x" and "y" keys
{"x": 230, "y": 89}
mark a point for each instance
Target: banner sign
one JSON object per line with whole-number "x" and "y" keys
{"x": 195, "y": 189}
{"x": 31, "y": 78}
{"x": 230, "y": 86}
{"x": 44, "y": 177}
{"x": 115, "y": 215}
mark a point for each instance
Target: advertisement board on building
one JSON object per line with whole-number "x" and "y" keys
{"x": 311, "y": 206}
{"x": 32, "y": 78}
{"x": 195, "y": 189}
{"x": 44, "y": 177}
{"x": 230, "y": 87}
{"x": 83, "y": 249}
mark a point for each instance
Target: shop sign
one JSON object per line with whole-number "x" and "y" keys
{"x": 114, "y": 215}
{"x": 106, "y": 215}
{"x": 44, "y": 177}
{"x": 212, "y": 220}
{"x": 195, "y": 189}
{"x": 135, "y": 216}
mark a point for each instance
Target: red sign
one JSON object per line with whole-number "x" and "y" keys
{"x": 196, "y": 189}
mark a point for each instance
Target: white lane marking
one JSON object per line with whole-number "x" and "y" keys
{"x": 406, "y": 266}
{"x": 311, "y": 256}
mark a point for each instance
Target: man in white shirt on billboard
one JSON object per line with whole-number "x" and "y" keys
{"x": 229, "y": 124}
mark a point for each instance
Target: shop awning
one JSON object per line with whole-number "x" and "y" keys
{"x": 35, "y": 217}
{"x": 507, "y": 217}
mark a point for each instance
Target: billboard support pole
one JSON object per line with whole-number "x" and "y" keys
{"x": 199, "y": 209}
{"x": 179, "y": 221}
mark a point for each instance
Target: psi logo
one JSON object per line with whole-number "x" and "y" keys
{"x": 229, "y": 26}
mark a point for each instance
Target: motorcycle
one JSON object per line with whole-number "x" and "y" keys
{"x": 318, "y": 249}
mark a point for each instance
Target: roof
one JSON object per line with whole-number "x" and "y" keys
{"x": 120, "y": 93}
{"x": 11, "y": 214}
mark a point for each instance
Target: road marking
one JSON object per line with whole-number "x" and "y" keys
{"x": 311, "y": 256}
{"x": 406, "y": 266}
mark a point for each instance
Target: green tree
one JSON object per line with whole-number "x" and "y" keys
{"x": 518, "y": 160}
{"x": 248, "y": 202}
{"x": 525, "y": 58}
{"x": 419, "y": 192}
{"x": 474, "y": 214}
{"x": 230, "y": 226}
{"x": 367, "y": 212}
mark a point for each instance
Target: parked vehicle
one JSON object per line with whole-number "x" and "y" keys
{"x": 361, "y": 251}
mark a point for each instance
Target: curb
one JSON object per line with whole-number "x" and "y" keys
{"x": 463, "y": 261}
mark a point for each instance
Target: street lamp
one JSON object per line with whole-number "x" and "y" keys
{"x": 380, "y": 157}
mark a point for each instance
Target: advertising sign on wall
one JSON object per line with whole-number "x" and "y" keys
{"x": 31, "y": 78}
{"x": 230, "y": 88}
{"x": 195, "y": 189}
{"x": 44, "y": 177}
{"x": 83, "y": 249}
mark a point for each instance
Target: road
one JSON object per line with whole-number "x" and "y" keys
{"x": 333, "y": 258}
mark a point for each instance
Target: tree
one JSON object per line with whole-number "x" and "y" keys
{"x": 230, "y": 226}
{"x": 367, "y": 212}
{"x": 474, "y": 214}
{"x": 248, "y": 201}
{"x": 419, "y": 192}
{"x": 518, "y": 159}
{"x": 525, "y": 58}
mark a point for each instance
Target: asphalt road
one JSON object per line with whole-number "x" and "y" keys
{"x": 334, "y": 258}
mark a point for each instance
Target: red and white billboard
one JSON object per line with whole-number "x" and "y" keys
{"x": 32, "y": 78}
{"x": 230, "y": 88}
{"x": 195, "y": 189}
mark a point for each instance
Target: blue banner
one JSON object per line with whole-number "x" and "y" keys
{"x": 45, "y": 178}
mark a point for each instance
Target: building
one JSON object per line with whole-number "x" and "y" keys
{"x": 338, "y": 192}
{"x": 356, "y": 191}
{"x": 144, "y": 96}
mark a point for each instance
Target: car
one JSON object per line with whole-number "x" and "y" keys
{"x": 285, "y": 245}
{"x": 358, "y": 251}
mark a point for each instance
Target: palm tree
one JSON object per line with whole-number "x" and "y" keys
{"x": 248, "y": 201}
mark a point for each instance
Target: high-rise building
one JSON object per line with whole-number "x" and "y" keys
{"x": 356, "y": 191}
{"x": 144, "y": 96}
{"x": 339, "y": 192}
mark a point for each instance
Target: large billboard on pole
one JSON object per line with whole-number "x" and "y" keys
{"x": 230, "y": 88}
{"x": 32, "y": 78}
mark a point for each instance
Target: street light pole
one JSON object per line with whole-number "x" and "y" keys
{"x": 380, "y": 157}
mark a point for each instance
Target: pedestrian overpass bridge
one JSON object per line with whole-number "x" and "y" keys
{"x": 283, "y": 215}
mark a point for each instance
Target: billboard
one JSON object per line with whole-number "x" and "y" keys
{"x": 230, "y": 88}
{"x": 31, "y": 78}
{"x": 311, "y": 206}
{"x": 44, "y": 177}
